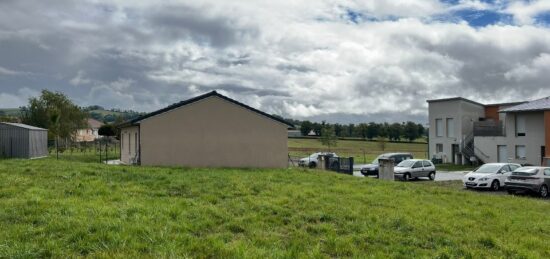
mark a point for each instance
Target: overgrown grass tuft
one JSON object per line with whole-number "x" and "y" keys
{"x": 63, "y": 208}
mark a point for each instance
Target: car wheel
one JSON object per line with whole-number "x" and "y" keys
{"x": 406, "y": 177}
{"x": 495, "y": 186}
{"x": 431, "y": 175}
{"x": 511, "y": 192}
{"x": 543, "y": 191}
{"x": 312, "y": 165}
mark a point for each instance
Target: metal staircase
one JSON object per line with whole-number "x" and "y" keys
{"x": 468, "y": 150}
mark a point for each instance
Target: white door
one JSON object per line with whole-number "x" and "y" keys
{"x": 502, "y": 151}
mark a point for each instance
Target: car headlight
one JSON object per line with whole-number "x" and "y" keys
{"x": 484, "y": 179}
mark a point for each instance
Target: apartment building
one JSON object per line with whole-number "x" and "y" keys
{"x": 463, "y": 131}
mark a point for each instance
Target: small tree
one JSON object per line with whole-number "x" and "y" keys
{"x": 107, "y": 130}
{"x": 410, "y": 131}
{"x": 306, "y": 127}
{"x": 328, "y": 137}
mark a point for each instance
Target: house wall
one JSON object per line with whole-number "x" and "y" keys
{"x": 547, "y": 133}
{"x": 464, "y": 115}
{"x": 129, "y": 146}
{"x": 533, "y": 141}
{"x": 213, "y": 133}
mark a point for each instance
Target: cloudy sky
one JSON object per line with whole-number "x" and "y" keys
{"x": 343, "y": 61}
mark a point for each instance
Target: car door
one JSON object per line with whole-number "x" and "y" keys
{"x": 417, "y": 169}
{"x": 546, "y": 176}
{"x": 503, "y": 173}
{"x": 428, "y": 167}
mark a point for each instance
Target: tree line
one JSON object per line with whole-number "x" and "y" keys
{"x": 409, "y": 130}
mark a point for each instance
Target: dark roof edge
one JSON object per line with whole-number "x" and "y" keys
{"x": 454, "y": 99}
{"x": 198, "y": 98}
{"x": 510, "y": 103}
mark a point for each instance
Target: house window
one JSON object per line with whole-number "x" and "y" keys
{"x": 439, "y": 148}
{"x": 520, "y": 152}
{"x": 129, "y": 144}
{"x": 520, "y": 125}
{"x": 450, "y": 128}
{"x": 438, "y": 127}
{"x": 547, "y": 172}
{"x": 136, "y": 141}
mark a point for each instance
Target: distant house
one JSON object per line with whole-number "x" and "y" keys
{"x": 294, "y": 133}
{"x": 22, "y": 141}
{"x": 210, "y": 130}
{"x": 90, "y": 133}
{"x": 462, "y": 130}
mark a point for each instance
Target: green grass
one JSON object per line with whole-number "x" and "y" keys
{"x": 362, "y": 151}
{"x": 66, "y": 208}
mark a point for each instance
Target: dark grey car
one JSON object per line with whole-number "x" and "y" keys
{"x": 372, "y": 169}
{"x": 529, "y": 179}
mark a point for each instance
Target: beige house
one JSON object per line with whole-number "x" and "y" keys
{"x": 90, "y": 133}
{"x": 210, "y": 130}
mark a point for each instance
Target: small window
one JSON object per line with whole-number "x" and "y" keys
{"x": 438, "y": 127}
{"x": 505, "y": 169}
{"x": 439, "y": 148}
{"x": 450, "y": 128}
{"x": 427, "y": 163}
{"x": 547, "y": 172}
{"x": 417, "y": 164}
{"x": 513, "y": 167}
{"x": 520, "y": 152}
{"x": 520, "y": 125}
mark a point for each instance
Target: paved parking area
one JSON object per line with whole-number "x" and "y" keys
{"x": 439, "y": 176}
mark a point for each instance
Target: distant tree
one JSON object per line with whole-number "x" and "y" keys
{"x": 373, "y": 130}
{"x": 338, "y": 129}
{"x": 55, "y": 112}
{"x": 421, "y": 129}
{"x": 362, "y": 129}
{"x": 306, "y": 127}
{"x": 328, "y": 137}
{"x": 395, "y": 131}
{"x": 350, "y": 130}
{"x": 410, "y": 131}
{"x": 107, "y": 130}
{"x": 317, "y": 127}
{"x": 383, "y": 130}
{"x": 8, "y": 119}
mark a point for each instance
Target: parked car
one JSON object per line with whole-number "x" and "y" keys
{"x": 529, "y": 179}
{"x": 490, "y": 175}
{"x": 372, "y": 168}
{"x": 313, "y": 160}
{"x": 414, "y": 168}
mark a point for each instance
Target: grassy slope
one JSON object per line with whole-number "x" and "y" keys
{"x": 68, "y": 209}
{"x": 303, "y": 147}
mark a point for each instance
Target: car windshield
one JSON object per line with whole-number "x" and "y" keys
{"x": 375, "y": 161}
{"x": 407, "y": 163}
{"x": 525, "y": 172}
{"x": 487, "y": 169}
{"x": 315, "y": 155}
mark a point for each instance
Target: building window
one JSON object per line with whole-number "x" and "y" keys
{"x": 450, "y": 128}
{"x": 520, "y": 125}
{"x": 438, "y": 127}
{"x": 136, "y": 141}
{"x": 520, "y": 152}
{"x": 439, "y": 148}
{"x": 129, "y": 143}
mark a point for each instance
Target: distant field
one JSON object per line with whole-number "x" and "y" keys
{"x": 70, "y": 209}
{"x": 11, "y": 112}
{"x": 362, "y": 151}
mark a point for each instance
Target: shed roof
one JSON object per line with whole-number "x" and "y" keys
{"x": 454, "y": 99}
{"x": 542, "y": 104}
{"x": 94, "y": 124}
{"x": 198, "y": 98}
{"x": 20, "y": 125}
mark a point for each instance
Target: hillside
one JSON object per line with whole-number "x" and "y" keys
{"x": 71, "y": 209}
{"x": 95, "y": 112}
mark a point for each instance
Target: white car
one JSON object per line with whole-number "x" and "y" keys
{"x": 491, "y": 175}
{"x": 313, "y": 160}
{"x": 414, "y": 168}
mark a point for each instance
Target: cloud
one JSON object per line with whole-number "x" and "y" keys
{"x": 336, "y": 60}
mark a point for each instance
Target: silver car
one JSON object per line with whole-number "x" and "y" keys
{"x": 529, "y": 179}
{"x": 414, "y": 168}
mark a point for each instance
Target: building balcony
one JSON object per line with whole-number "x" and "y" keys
{"x": 488, "y": 129}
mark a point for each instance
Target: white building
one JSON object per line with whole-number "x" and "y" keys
{"x": 462, "y": 131}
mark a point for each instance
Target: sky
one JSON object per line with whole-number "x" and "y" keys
{"x": 343, "y": 61}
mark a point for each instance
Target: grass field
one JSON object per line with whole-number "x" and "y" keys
{"x": 66, "y": 208}
{"x": 362, "y": 151}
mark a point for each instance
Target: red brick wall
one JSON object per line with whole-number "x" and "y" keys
{"x": 491, "y": 112}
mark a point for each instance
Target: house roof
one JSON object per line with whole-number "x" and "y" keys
{"x": 196, "y": 99}
{"x": 542, "y": 104}
{"x": 94, "y": 124}
{"x": 24, "y": 126}
{"x": 454, "y": 99}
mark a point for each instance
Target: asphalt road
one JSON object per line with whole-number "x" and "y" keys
{"x": 439, "y": 176}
